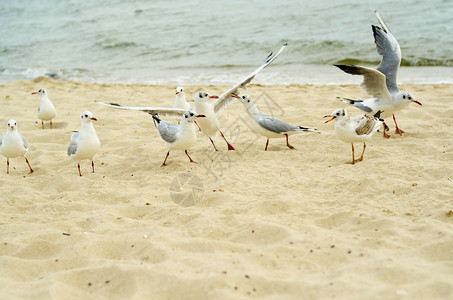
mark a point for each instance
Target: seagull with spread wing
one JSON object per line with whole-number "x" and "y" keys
{"x": 381, "y": 83}
{"x": 209, "y": 124}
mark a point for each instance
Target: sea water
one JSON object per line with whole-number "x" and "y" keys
{"x": 218, "y": 42}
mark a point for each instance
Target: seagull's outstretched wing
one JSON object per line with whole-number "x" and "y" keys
{"x": 161, "y": 111}
{"x": 388, "y": 47}
{"x": 373, "y": 81}
{"x": 225, "y": 99}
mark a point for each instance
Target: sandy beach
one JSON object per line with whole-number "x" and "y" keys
{"x": 281, "y": 224}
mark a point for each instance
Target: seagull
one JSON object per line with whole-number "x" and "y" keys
{"x": 381, "y": 83}
{"x": 180, "y": 101}
{"x": 178, "y": 136}
{"x": 46, "y": 110}
{"x": 84, "y": 143}
{"x": 13, "y": 144}
{"x": 210, "y": 110}
{"x": 356, "y": 129}
{"x": 269, "y": 126}
{"x": 210, "y": 125}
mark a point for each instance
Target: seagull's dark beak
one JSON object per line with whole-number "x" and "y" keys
{"x": 201, "y": 116}
{"x": 331, "y": 118}
{"x": 419, "y": 103}
{"x": 94, "y": 119}
{"x": 34, "y": 93}
{"x": 215, "y": 97}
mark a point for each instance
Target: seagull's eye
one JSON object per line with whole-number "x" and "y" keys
{"x": 248, "y": 101}
{"x": 410, "y": 98}
{"x": 243, "y": 97}
{"x": 186, "y": 116}
{"x": 404, "y": 96}
{"x": 191, "y": 114}
{"x": 86, "y": 116}
{"x": 337, "y": 114}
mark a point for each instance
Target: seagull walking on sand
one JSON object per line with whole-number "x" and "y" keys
{"x": 381, "y": 83}
{"x": 46, "y": 109}
{"x": 356, "y": 129}
{"x": 269, "y": 126}
{"x": 13, "y": 144}
{"x": 84, "y": 143}
{"x": 178, "y": 136}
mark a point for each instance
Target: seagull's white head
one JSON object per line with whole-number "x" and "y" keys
{"x": 12, "y": 125}
{"x": 408, "y": 97}
{"x": 189, "y": 116}
{"x": 338, "y": 114}
{"x": 245, "y": 99}
{"x": 202, "y": 96}
{"x": 180, "y": 91}
{"x": 87, "y": 117}
{"x": 40, "y": 92}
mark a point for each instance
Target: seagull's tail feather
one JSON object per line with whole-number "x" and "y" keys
{"x": 156, "y": 119}
{"x": 348, "y": 100}
{"x": 307, "y": 129}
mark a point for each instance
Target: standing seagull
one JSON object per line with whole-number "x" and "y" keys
{"x": 382, "y": 84}
{"x": 46, "y": 110}
{"x": 357, "y": 129}
{"x": 84, "y": 143}
{"x": 13, "y": 144}
{"x": 269, "y": 126}
{"x": 209, "y": 125}
{"x": 180, "y": 101}
{"x": 178, "y": 137}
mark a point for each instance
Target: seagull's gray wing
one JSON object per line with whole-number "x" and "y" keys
{"x": 225, "y": 99}
{"x": 24, "y": 142}
{"x": 373, "y": 81}
{"x": 168, "y": 131}
{"x": 276, "y": 125}
{"x": 72, "y": 148}
{"x": 388, "y": 47}
{"x": 162, "y": 111}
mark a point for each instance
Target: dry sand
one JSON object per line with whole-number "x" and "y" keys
{"x": 293, "y": 224}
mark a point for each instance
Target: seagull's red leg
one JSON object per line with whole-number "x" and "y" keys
{"x": 363, "y": 152}
{"x": 229, "y": 146}
{"x": 50, "y": 124}
{"x": 191, "y": 160}
{"x": 386, "y": 136}
{"x": 353, "y": 159}
{"x": 78, "y": 166}
{"x": 397, "y": 130}
{"x": 42, "y": 124}
{"x": 92, "y": 165}
{"x": 7, "y": 165}
{"x": 267, "y": 144}
{"x": 31, "y": 170}
{"x": 287, "y": 142}
{"x": 213, "y": 144}
{"x": 164, "y": 164}
{"x": 199, "y": 128}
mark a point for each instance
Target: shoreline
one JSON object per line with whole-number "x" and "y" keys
{"x": 273, "y": 75}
